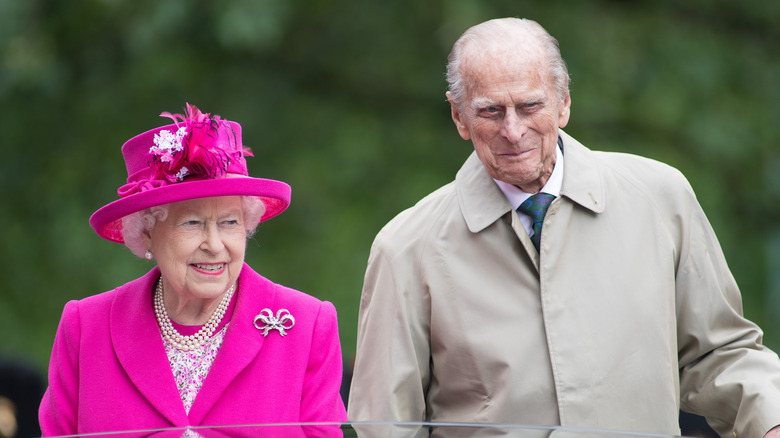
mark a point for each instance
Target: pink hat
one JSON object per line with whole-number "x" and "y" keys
{"x": 199, "y": 156}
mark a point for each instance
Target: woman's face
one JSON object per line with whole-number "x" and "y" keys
{"x": 200, "y": 246}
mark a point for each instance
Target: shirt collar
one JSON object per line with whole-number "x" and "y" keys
{"x": 553, "y": 186}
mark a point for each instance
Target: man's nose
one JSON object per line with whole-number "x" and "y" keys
{"x": 513, "y": 127}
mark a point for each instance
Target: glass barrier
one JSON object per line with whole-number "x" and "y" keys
{"x": 374, "y": 430}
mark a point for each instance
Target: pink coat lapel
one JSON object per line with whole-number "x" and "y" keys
{"x": 242, "y": 341}
{"x": 139, "y": 348}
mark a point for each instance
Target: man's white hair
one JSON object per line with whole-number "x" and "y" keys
{"x": 506, "y": 32}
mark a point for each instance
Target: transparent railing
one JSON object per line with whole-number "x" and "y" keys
{"x": 374, "y": 430}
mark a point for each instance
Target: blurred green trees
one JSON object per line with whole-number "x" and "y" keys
{"x": 344, "y": 100}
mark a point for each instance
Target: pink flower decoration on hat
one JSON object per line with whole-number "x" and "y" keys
{"x": 202, "y": 147}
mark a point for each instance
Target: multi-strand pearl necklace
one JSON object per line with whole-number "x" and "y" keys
{"x": 192, "y": 341}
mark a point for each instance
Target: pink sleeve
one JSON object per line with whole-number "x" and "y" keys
{"x": 59, "y": 406}
{"x": 321, "y": 399}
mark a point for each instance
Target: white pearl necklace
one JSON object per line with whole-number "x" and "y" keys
{"x": 190, "y": 342}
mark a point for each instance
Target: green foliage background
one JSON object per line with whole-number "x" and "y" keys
{"x": 344, "y": 100}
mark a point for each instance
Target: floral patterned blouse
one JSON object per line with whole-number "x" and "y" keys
{"x": 190, "y": 368}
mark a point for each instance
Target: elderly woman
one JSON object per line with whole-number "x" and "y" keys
{"x": 202, "y": 339}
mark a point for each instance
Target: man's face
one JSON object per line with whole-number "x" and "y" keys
{"x": 511, "y": 114}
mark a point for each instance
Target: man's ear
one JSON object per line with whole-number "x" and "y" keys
{"x": 457, "y": 117}
{"x": 565, "y": 112}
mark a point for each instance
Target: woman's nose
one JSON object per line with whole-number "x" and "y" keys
{"x": 212, "y": 241}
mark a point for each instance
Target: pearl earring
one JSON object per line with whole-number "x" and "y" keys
{"x": 148, "y": 255}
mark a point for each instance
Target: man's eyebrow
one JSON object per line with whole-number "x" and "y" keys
{"x": 482, "y": 102}
{"x": 541, "y": 98}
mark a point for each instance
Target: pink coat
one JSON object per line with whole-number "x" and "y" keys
{"x": 109, "y": 370}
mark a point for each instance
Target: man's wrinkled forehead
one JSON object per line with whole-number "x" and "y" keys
{"x": 490, "y": 67}
{"x": 499, "y": 55}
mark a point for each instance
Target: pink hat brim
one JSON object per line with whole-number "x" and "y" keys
{"x": 107, "y": 221}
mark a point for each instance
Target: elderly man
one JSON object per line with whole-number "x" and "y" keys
{"x": 616, "y": 314}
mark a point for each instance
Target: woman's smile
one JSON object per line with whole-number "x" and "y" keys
{"x": 209, "y": 268}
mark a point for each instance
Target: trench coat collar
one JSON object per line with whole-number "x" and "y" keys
{"x": 483, "y": 203}
{"x": 138, "y": 344}
{"x": 582, "y": 181}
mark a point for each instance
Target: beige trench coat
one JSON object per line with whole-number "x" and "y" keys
{"x": 629, "y": 313}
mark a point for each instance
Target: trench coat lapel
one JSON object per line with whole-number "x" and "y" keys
{"x": 479, "y": 197}
{"x": 582, "y": 182}
{"x": 483, "y": 203}
{"x": 140, "y": 350}
{"x": 242, "y": 342}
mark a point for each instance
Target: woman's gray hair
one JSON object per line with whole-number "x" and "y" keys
{"x": 135, "y": 225}
{"x": 503, "y": 28}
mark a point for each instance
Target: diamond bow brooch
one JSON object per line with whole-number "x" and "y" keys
{"x": 282, "y": 321}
